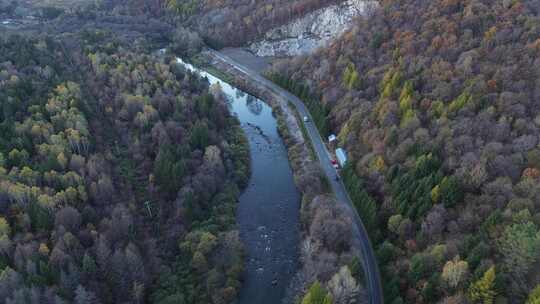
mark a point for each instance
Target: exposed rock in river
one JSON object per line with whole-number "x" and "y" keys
{"x": 314, "y": 30}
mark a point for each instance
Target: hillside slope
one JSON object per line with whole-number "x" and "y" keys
{"x": 221, "y": 23}
{"x": 437, "y": 105}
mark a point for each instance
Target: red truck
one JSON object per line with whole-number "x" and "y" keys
{"x": 334, "y": 163}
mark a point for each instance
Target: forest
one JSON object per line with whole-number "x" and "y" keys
{"x": 119, "y": 175}
{"x": 120, "y": 171}
{"x": 436, "y": 104}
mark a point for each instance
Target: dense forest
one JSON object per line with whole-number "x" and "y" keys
{"x": 119, "y": 171}
{"x": 436, "y": 104}
{"x": 119, "y": 175}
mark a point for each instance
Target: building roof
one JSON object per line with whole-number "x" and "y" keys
{"x": 341, "y": 156}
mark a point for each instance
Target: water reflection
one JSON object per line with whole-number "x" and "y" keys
{"x": 240, "y": 94}
{"x": 254, "y": 105}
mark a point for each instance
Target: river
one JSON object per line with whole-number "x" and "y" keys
{"x": 269, "y": 208}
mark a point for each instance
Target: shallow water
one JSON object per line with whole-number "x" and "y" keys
{"x": 269, "y": 208}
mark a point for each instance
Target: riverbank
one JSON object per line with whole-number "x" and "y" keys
{"x": 329, "y": 251}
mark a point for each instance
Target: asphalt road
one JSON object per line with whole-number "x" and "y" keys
{"x": 373, "y": 279}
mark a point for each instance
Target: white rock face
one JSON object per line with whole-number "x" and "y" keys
{"x": 316, "y": 29}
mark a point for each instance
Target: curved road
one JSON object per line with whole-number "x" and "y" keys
{"x": 369, "y": 262}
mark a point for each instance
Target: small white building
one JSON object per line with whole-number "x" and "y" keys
{"x": 341, "y": 157}
{"x": 332, "y": 138}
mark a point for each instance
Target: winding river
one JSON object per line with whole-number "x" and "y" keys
{"x": 269, "y": 208}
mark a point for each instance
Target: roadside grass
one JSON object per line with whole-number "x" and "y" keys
{"x": 305, "y": 134}
{"x": 284, "y": 132}
{"x": 201, "y": 61}
{"x": 325, "y": 183}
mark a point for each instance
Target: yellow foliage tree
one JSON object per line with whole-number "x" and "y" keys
{"x": 317, "y": 295}
{"x": 482, "y": 291}
{"x": 489, "y": 34}
{"x": 62, "y": 160}
{"x": 534, "y": 296}
{"x": 379, "y": 164}
{"x": 43, "y": 249}
{"x": 455, "y": 272}
{"x": 461, "y": 101}
{"x": 4, "y": 228}
{"x": 351, "y": 79}
{"x": 405, "y": 97}
{"x": 435, "y": 194}
{"x": 408, "y": 116}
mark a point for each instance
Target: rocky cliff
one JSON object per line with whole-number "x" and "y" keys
{"x": 314, "y": 30}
